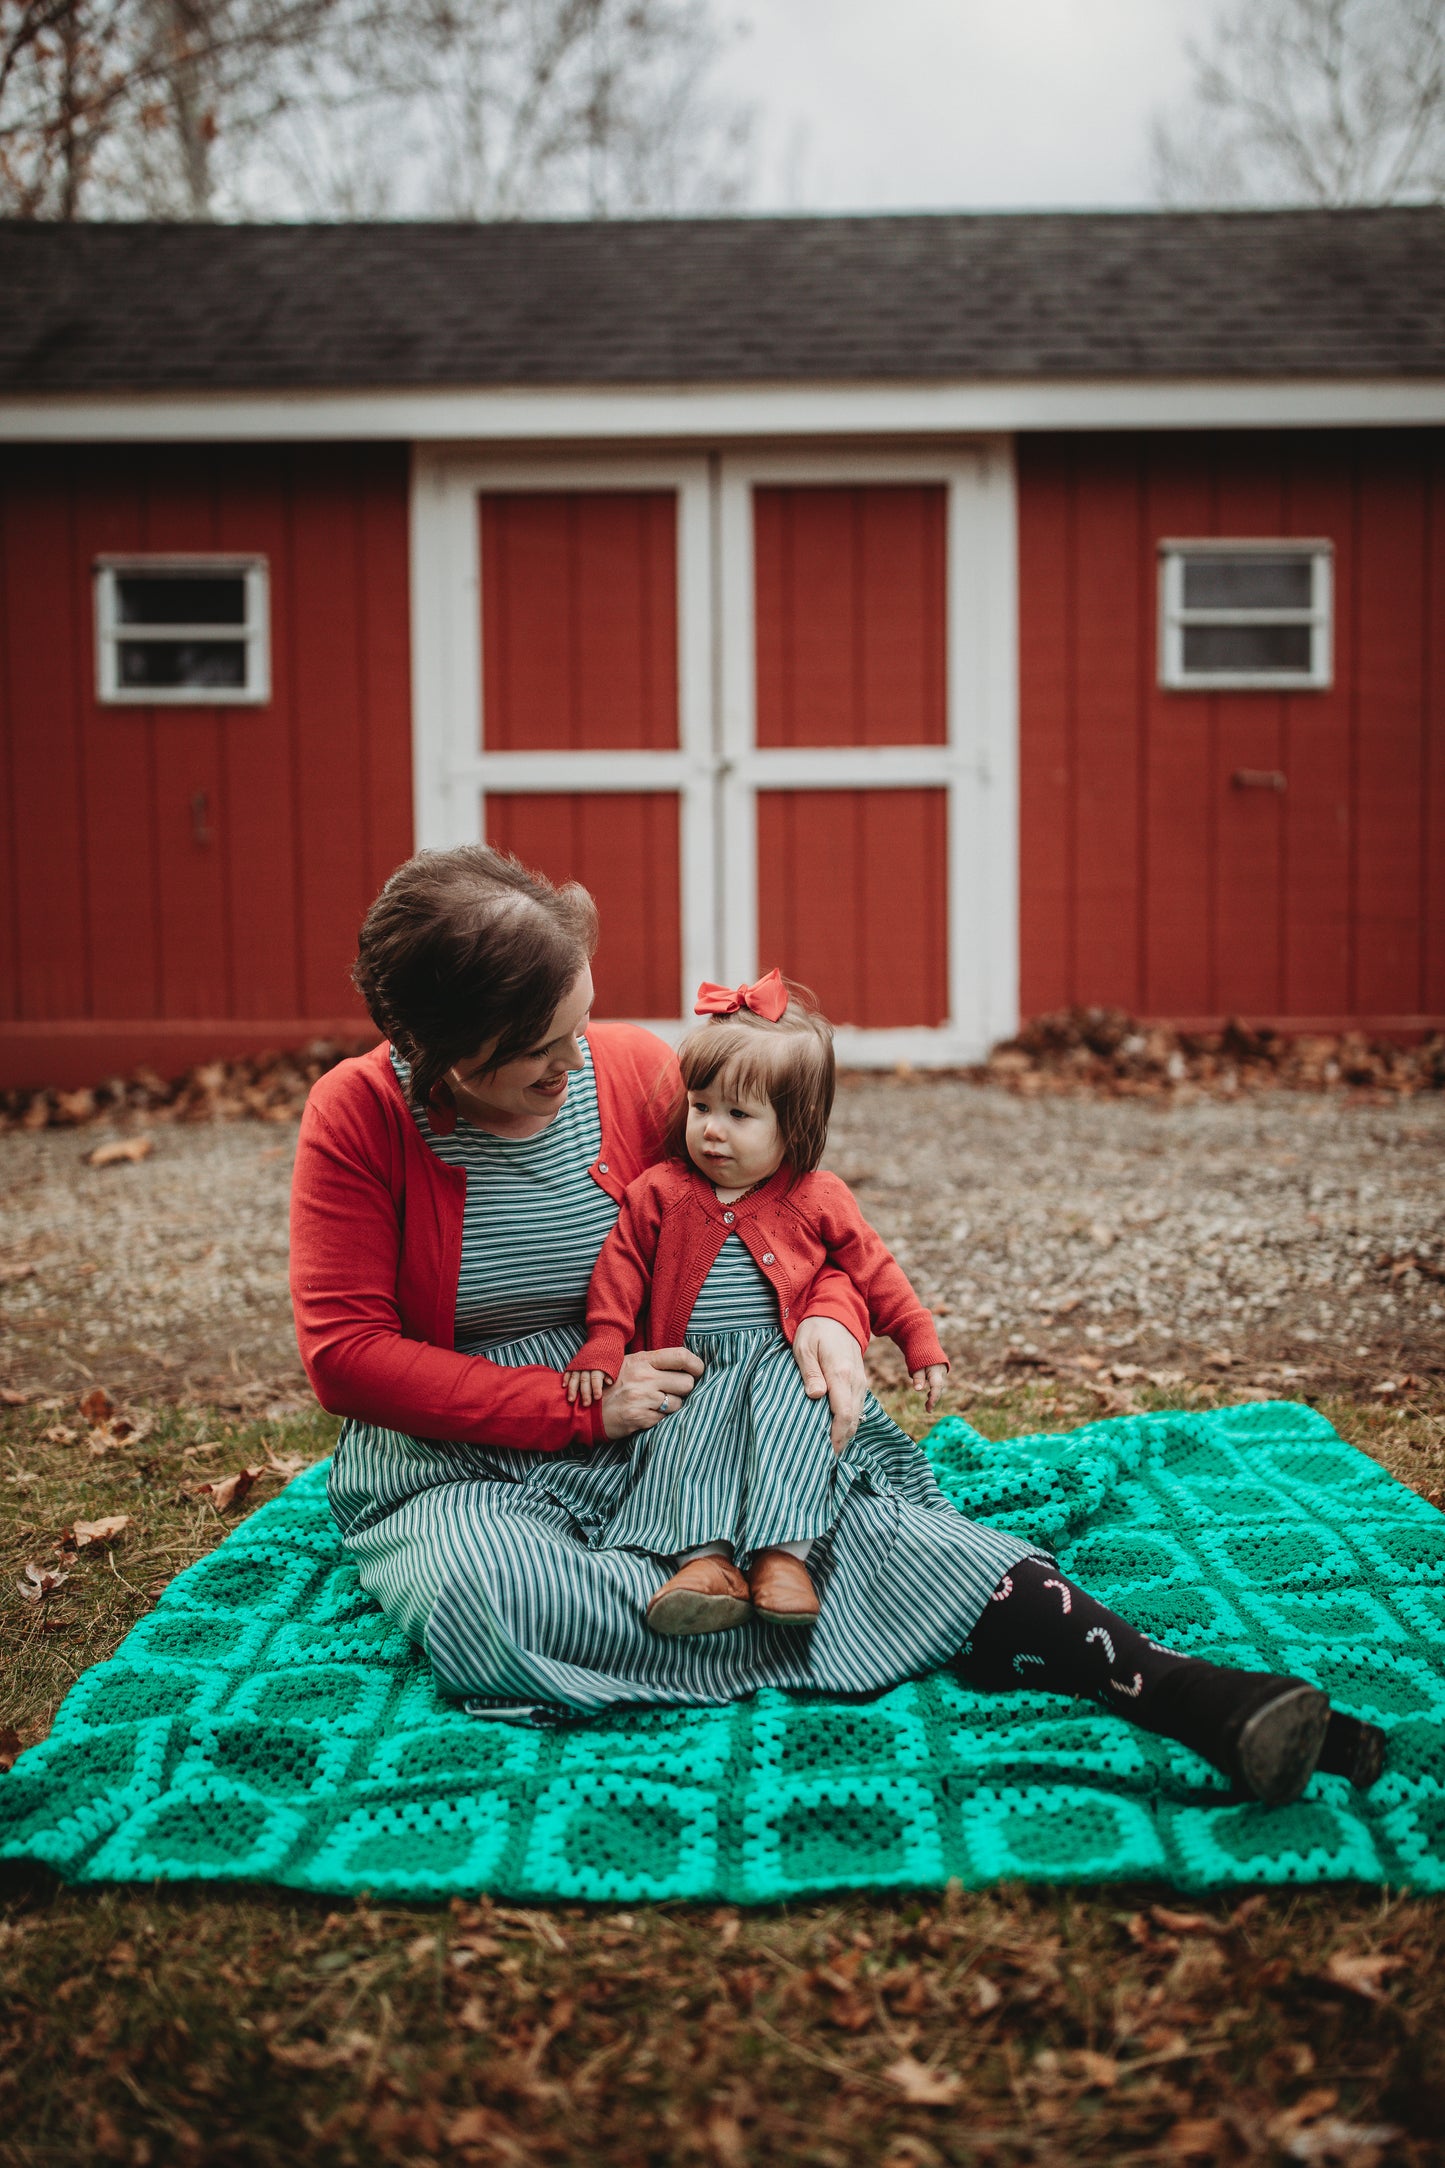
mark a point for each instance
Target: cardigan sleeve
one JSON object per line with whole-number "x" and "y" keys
{"x": 345, "y": 1254}
{"x": 860, "y": 1251}
{"x": 621, "y": 1280}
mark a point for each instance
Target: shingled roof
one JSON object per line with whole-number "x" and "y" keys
{"x": 111, "y": 308}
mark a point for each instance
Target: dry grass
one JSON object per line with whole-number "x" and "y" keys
{"x": 150, "y": 2026}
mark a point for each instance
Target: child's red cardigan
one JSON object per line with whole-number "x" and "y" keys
{"x": 672, "y": 1226}
{"x": 376, "y": 1250}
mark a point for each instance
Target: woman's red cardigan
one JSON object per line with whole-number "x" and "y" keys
{"x": 376, "y": 1251}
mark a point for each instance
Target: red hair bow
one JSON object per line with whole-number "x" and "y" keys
{"x": 768, "y": 998}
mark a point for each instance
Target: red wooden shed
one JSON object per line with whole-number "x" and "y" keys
{"x": 971, "y": 614}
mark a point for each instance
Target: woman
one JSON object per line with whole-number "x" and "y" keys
{"x": 452, "y": 1191}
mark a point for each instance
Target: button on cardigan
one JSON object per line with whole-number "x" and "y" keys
{"x": 376, "y": 1243}
{"x": 671, "y": 1228}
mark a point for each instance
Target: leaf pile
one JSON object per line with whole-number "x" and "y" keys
{"x": 1108, "y": 1053}
{"x": 1016, "y": 2028}
{"x": 259, "y": 1087}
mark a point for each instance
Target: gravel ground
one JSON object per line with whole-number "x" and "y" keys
{"x": 1302, "y": 1232}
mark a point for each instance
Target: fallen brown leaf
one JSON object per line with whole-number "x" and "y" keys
{"x": 102, "y": 1531}
{"x": 986, "y": 1996}
{"x": 9, "y": 1398}
{"x": 1332, "y": 2143}
{"x": 227, "y": 1490}
{"x": 922, "y": 2087}
{"x": 10, "y": 1746}
{"x": 1361, "y": 1975}
{"x": 474, "y": 2126}
{"x": 120, "y": 1152}
{"x": 347, "y": 2047}
{"x": 1185, "y": 1923}
{"x": 42, "y": 1582}
{"x": 1099, "y": 2072}
{"x": 1199, "y": 2138}
{"x": 11, "y": 1273}
{"x": 725, "y": 2136}
{"x": 96, "y": 1405}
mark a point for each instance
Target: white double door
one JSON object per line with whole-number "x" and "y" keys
{"x": 763, "y": 705}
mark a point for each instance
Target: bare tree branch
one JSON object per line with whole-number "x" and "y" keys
{"x": 362, "y": 108}
{"x": 1310, "y": 101}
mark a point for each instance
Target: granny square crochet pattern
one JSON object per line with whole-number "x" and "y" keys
{"x": 265, "y": 1723}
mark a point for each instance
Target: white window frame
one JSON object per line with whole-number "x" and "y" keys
{"x": 1174, "y": 617}
{"x": 255, "y": 632}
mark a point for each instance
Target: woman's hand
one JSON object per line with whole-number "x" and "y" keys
{"x": 831, "y": 1362}
{"x": 649, "y": 1386}
{"x": 929, "y": 1381}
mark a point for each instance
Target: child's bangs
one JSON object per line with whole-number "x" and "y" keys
{"x": 741, "y": 1063}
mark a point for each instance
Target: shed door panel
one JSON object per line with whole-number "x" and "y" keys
{"x": 850, "y": 610}
{"x": 623, "y": 846}
{"x": 853, "y": 900}
{"x": 579, "y": 620}
{"x": 849, "y": 605}
{"x": 579, "y": 605}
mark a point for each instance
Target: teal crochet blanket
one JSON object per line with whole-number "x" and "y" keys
{"x": 265, "y": 1723}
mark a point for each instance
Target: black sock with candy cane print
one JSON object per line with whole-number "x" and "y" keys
{"x": 1042, "y": 1633}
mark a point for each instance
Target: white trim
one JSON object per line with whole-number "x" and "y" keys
{"x": 724, "y": 413}
{"x": 1175, "y": 616}
{"x": 453, "y": 771}
{"x": 977, "y": 766}
{"x": 253, "y": 633}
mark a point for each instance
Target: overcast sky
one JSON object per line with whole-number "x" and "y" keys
{"x": 937, "y": 104}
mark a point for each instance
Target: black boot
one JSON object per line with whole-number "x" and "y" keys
{"x": 1265, "y": 1732}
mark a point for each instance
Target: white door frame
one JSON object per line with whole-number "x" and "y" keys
{"x": 718, "y": 768}
{"x": 977, "y": 765}
{"x": 453, "y": 773}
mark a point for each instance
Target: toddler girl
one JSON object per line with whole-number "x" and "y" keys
{"x": 722, "y": 1244}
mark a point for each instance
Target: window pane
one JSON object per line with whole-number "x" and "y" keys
{"x": 1251, "y": 581}
{"x": 165, "y": 664}
{"x": 1262, "y": 648}
{"x": 181, "y": 598}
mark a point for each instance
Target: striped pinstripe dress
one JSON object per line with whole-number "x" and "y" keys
{"x": 526, "y": 1577}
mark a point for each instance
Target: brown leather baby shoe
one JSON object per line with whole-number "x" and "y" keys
{"x": 782, "y": 1589}
{"x": 706, "y": 1596}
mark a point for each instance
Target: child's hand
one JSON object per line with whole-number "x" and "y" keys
{"x": 930, "y": 1381}
{"x": 589, "y": 1385}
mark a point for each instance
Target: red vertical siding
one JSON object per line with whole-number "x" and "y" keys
{"x": 134, "y": 937}
{"x": 1432, "y": 797}
{"x": 1106, "y": 849}
{"x": 850, "y": 615}
{"x": 1323, "y": 903}
{"x": 624, "y": 847}
{"x": 579, "y": 619}
{"x": 1248, "y": 978}
{"x": 852, "y": 900}
{"x": 1390, "y": 732}
{"x": 1047, "y": 557}
{"x": 1317, "y": 880}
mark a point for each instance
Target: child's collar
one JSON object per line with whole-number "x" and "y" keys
{"x": 776, "y": 1185}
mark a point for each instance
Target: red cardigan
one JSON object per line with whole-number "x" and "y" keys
{"x": 376, "y": 1250}
{"x": 672, "y": 1226}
